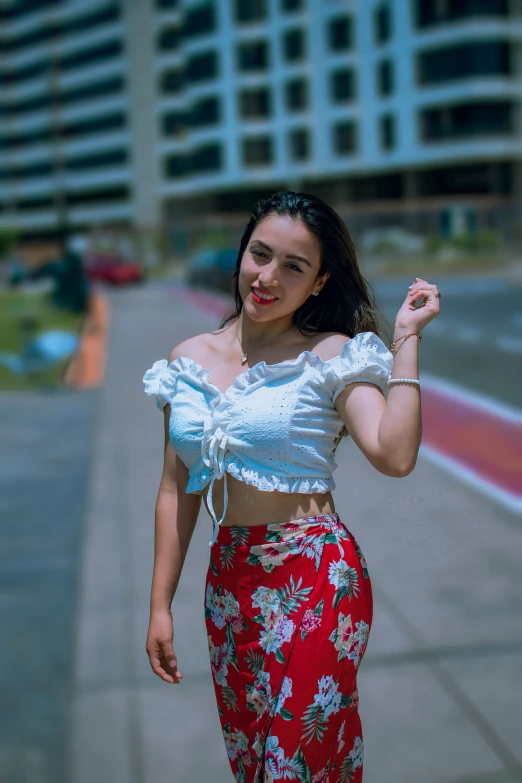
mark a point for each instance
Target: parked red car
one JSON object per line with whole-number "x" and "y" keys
{"x": 111, "y": 269}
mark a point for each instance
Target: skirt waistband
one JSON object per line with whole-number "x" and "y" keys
{"x": 248, "y": 535}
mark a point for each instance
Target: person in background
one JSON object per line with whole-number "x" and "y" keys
{"x": 71, "y": 287}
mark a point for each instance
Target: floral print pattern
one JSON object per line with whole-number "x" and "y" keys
{"x": 348, "y": 642}
{"x": 288, "y": 610}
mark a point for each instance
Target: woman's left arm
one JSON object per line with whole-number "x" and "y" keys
{"x": 389, "y": 432}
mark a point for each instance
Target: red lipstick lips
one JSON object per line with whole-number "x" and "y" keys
{"x": 259, "y": 300}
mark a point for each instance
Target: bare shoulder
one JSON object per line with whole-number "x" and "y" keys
{"x": 195, "y": 348}
{"x": 330, "y": 345}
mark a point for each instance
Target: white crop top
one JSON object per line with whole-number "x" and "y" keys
{"x": 275, "y": 426}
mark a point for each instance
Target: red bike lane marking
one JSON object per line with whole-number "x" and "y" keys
{"x": 480, "y": 439}
{"x": 211, "y": 304}
{"x": 460, "y": 427}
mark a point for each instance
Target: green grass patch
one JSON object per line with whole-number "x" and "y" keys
{"x": 19, "y": 313}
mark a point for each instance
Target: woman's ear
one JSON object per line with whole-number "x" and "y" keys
{"x": 324, "y": 278}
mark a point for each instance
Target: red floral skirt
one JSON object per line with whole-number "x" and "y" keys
{"x": 288, "y": 611}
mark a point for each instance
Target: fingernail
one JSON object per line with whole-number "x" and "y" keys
{"x": 172, "y": 663}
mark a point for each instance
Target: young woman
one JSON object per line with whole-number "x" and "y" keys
{"x": 253, "y": 414}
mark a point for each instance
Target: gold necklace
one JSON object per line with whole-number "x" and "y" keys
{"x": 244, "y": 354}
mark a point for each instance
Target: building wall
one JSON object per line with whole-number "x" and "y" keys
{"x": 433, "y": 109}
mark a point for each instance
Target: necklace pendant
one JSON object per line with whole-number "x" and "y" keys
{"x": 243, "y": 358}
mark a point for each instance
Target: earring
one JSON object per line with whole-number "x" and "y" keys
{"x": 316, "y": 293}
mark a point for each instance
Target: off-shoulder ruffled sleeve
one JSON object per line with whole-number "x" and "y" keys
{"x": 364, "y": 358}
{"x": 161, "y": 382}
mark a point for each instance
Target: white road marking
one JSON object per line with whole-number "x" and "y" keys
{"x": 483, "y": 401}
{"x": 509, "y": 344}
{"x": 471, "y": 335}
{"x": 516, "y": 320}
{"x": 467, "y": 334}
{"x": 435, "y": 327}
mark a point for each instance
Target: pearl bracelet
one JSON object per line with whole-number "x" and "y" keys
{"x": 404, "y": 380}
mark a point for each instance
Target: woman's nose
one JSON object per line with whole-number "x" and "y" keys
{"x": 269, "y": 275}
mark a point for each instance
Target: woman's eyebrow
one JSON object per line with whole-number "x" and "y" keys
{"x": 289, "y": 255}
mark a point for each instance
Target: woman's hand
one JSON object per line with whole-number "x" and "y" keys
{"x": 159, "y": 647}
{"x": 413, "y": 319}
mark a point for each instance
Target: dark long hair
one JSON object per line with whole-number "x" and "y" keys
{"x": 345, "y": 303}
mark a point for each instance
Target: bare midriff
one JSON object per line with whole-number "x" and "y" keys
{"x": 248, "y": 506}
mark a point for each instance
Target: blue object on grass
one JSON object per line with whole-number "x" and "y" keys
{"x": 41, "y": 353}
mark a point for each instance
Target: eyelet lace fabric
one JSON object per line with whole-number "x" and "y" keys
{"x": 274, "y": 427}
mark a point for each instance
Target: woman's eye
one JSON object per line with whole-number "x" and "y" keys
{"x": 263, "y": 255}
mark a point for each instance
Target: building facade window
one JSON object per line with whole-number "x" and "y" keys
{"x": 92, "y": 54}
{"x": 34, "y": 202}
{"x": 177, "y": 166}
{"x": 257, "y": 151}
{"x": 382, "y": 24}
{"x": 13, "y": 141}
{"x": 255, "y": 103}
{"x": 88, "y": 21}
{"x": 29, "y": 171}
{"x": 339, "y": 33}
{"x": 253, "y": 56}
{"x": 206, "y": 111}
{"x": 294, "y": 45}
{"x": 385, "y": 78}
{"x": 461, "y": 61}
{"x": 342, "y": 85}
{"x": 174, "y": 123}
{"x": 288, "y": 6}
{"x": 25, "y": 73}
{"x": 205, "y": 159}
{"x": 167, "y": 5}
{"x": 296, "y": 94}
{"x": 106, "y": 195}
{"x": 199, "y": 21}
{"x": 97, "y": 160}
{"x": 481, "y": 118}
{"x": 111, "y": 86}
{"x": 50, "y": 31}
{"x": 19, "y": 10}
{"x": 201, "y": 67}
{"x": 299, "y": 144}
{"x": 345, "y": 137}
{"x": 248, "y": 11}
{"x": 171, "y": 82}
{"x": 387, "y": 131}
{"x": 92, "y": 125}
{"x": 431, "y": 12}
{"x": 169, "y": 39}
{"x": 467, "y": 179}
{"x": 25, "y": 106}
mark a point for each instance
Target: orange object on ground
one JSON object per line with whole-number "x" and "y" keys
{"x": 86, "y": 368}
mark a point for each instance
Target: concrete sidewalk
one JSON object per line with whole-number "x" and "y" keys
{"x": 441, "y": 682}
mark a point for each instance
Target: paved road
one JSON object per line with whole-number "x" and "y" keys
{"x": 477, "y": 338}
{"x": 440, "y": 686}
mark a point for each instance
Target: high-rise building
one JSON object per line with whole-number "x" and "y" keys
{"x": 143, "y": 112}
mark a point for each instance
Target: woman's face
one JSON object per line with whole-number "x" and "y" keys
{"x": 282, "y": 259}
